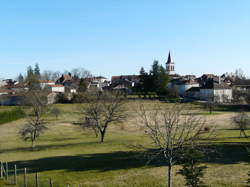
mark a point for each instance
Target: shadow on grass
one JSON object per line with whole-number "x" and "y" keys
{"x": 44, "y": 147}
{"x": 233, "y": 108}
{"x": 230, "y": 153}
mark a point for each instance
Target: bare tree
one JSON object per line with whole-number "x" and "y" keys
{"x": 81, "y": 73}
{"x": 56, "y": 111}
{"x": 100, "y": 109}
{"x": 170, "y": 131}
{"x": 36, "y": 124}
{"x": 242, "y": 121}
{"x": 212, "y": 102}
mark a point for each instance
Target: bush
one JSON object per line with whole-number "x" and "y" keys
{"x": 12, "y": 115}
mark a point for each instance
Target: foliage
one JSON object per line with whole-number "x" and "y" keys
{"x": 33, "y": 78}
{"x": 82, "y": 85}
{"x": 20, "y": 78}
{"x": 37, "y": 71}
{"x": 154, "y": 81}
{"x": 191, "y": 169}
{"x": 12, "y": 115}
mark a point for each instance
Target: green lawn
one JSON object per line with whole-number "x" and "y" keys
{"x": 69, "y": 155}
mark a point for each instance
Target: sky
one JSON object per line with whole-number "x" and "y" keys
{"x": 118, "y": 37}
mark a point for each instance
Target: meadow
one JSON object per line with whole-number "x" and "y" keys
{"x": 70, "y": 155}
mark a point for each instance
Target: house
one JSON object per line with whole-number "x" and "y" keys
{"x": 3, "y": 83}
{"x": 98, "y": 82}
{"x": 132, "y": 78}
{"x": 45, "y": 83}
{"x": 57, "y": 88}
{"x": 65, "y": 79}
{"x": 213, "y": 89}
{"x": 242, "y": 88}
{"x": 6, "y": 92}
{"x": 193, "y": 93}
{"x": 99, "y": 79}
{"x": 182, "y": 84}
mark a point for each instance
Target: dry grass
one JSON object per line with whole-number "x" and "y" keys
{"x": 70, "y": 155}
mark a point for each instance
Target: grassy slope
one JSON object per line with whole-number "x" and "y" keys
{"x": 70, "y": 155}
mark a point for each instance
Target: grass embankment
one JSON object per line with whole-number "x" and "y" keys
{"x": 70, "y": 155}
{"x": 11, "y": 115}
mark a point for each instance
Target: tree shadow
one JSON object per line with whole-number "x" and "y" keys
{"x": 233, "y": 108}
{"x": 227, "y": 153}
{"x": 44, "y": 147}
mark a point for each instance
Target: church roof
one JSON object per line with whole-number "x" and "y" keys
{"x": 169, "y": 58}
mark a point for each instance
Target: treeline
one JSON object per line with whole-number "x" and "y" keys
{"x": 33, "y": 77}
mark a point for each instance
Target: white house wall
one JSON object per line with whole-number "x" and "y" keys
{"x": 58, "y": 89}
{"x": 219, "y": 95}
{"x": 223, "y": 95}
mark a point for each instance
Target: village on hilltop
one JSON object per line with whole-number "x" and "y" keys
{"x": 208, "y": 87}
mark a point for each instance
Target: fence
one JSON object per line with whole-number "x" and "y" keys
{"x": 19, "y": 177}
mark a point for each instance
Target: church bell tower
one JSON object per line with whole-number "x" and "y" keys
{"x": 170, "y": 65}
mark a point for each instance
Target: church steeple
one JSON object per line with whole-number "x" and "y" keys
{"x": 169, "y": 58}
{"x": 170, "y": 65}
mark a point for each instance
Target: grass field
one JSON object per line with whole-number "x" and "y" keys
{"x": 69, "y": 155}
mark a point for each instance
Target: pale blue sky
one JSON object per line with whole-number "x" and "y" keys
{"x": 114, "y": 37}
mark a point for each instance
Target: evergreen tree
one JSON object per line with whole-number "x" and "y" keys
{"x": 32, "y": 80}
{"x": 162, "y": 81}
{"x": 155, "y": 68}
{"x": 82, "y": 85}
{"x": 191, "y": 169}
{"x": 142, "y": 71}
{"x": 20, "y": 78}
{"x": 30, "y": 72}
{"x": 37, "y": 71}
{"x": 155, "y": 81}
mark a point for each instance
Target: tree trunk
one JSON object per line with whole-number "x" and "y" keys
{"x": 32, "y": 145}
{"x": 102, "y": 136}
{"x": 103, "y": 132}
{"x": 169, "y": 175}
